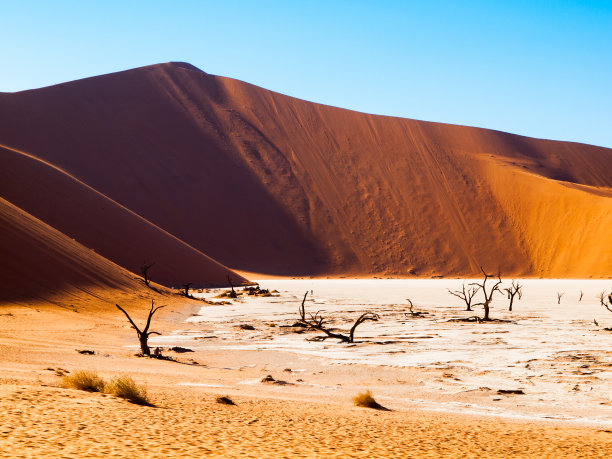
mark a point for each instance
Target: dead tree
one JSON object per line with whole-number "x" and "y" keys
{"x": 233, "y": 293}
{"x": 465, "y": 295}
{"x": 513, "y": 290}
{"x": 488, "y": 296}
{"x": 559, "y": 296}
{"x": 581, "y": 295}
{"x": 317, "y": 322}
{"x": 186, "y": 288}
{"x": 145, "y": 272}
{"x": 606, "y": 300}
{"x": 414, "y": 313}
{"x": 302, "y": 309}
{"x": 143, "y": 335}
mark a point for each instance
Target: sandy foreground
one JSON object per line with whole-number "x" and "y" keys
{"x": 38, "y": 418}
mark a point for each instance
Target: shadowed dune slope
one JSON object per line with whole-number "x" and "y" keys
{"x": 268, "y": 183}
{"x": 79, "y": 212}
{"x": 40, "y": 262}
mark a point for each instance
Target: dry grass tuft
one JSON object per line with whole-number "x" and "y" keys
{"x": 83, "y": 380}
{"x": 366, "y": 400}
{"x": 225, "y": 401}
{"x": 125, "y": 387}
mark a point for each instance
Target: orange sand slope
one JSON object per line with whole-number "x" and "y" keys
{"x": 264, "y": 182}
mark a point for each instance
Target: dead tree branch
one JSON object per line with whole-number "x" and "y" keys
{"x": 488, "y": 296}
{"x": 302, "y": 309}
{"x": 317, "y": 322}
{"x": 145, "y": 272}
{"x": 362, "y": 318}
{"x": 412, "y": 312}
{"x": 559, "y": 296}
{"x": 233, "y": 293}
{"x": 513, "y": 290}
{"x": 186, "y": 288}
{"x": 144, "y": 334}
{"x": 466, "y": 295}
{"x": 606, "y": 300}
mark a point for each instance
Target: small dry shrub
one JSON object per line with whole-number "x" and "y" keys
{"x": 125, "y": 387}
{"x": 366, "y": 400}
{"x": 83, "y": 380}
{"x": 225, "y": 401}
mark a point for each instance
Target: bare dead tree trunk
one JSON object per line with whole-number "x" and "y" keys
{"x": 606, "y": 300}
{"x": 302, "y": 309}
{"x": 145, "y": 272}
{"x": 513, "y": 290}
{"x": 362, "y": 318}
{"x": 601, "y": 297}
{"x": 466, "y": 295}
{"x": 581, "y": 295}
{"x": 559, "y": 296}
{"x": 414, "y": 313}
{"x": 488, "y": 296}
{"x": 317, "y": 322}
{"x": 144, "y": 334}
{"x": 186, "y": 289}
{"x": 233, "y": 292}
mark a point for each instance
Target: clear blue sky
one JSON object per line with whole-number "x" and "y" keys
{"x": 542, "y": 69}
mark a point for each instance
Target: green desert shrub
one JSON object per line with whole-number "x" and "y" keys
{"x": 83, "y": 380}
{"x": 125, "y": 387}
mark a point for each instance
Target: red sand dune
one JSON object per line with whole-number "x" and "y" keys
{"x": 267, "y": 183}
{"x": 99, "y": 223}
{"x": 40, "y": 262}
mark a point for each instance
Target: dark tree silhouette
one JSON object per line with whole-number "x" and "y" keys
{"x": 513, "y": 290}
{"x": 144, "y": 334}
{"x": 606, "y": 300}
{"x": 466, "y": 295}
{"x": 317, "y": 322}
{"x": 233, "y": 293}
{"x": 488, "y": 296}
{"x": 559, "y": 296}
{"x": 145, "y": 272}
{"x": 186, "y": 289}
{"x": 413, "y": 313}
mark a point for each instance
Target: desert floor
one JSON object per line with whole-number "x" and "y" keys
{"x": 311, "y": 415}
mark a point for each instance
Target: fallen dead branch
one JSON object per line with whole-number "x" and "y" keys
{"x": 412, "y": 312}
{"x": 317, "y": 322}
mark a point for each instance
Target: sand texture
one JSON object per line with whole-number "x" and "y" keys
{"x": 266, "y": 183}
{"x": 40, "y": 419}
{"x": 48, "y": 422}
